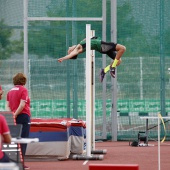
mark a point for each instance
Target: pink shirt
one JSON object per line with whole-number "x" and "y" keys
{"x": 15, "y": 95}
{"x": 4, "y": 129}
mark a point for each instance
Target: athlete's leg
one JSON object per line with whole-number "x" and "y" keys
{"x": 120, "y": 50}
{"x": 112, "y": 55}
{"x": 107, "y": 68}
{"x": 114, "y": 51}
{"x": 102, "y": 75}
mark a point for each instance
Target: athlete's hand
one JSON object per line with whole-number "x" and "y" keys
{"x": 15, "y": 115}
{"x": 60, "y": 60}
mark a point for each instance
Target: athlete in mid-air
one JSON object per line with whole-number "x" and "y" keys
{"x": 113, "y": 50}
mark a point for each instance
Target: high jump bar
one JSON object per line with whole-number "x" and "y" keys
{"x": 153, "y": 117}
{"x": 64, "y": 19}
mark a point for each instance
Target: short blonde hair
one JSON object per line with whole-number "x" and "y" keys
{"x": 19, "y": 79}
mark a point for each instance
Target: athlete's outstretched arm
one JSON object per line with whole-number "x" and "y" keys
{"x": 72, "y": 52}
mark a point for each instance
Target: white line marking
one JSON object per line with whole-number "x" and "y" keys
{"x": 85, "y": 162}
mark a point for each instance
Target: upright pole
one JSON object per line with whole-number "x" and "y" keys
{"x": 74, "y": 41}
{"x": 162, "y": 63}
{"x": 67, "y": 62}
{"x": 94, "y": 151}
{"x": 159, "y": 163}
{"x": 162, "y": 59}
{"x": 104, "y": 132}
{"x": 88, "y": 91}
{"x": 90, "y": 100}
{"x": 114, "y": 81}
{"x": 25, "y": 7}
{"x": 93, "y": 93}
{"x": 141, "y": 78}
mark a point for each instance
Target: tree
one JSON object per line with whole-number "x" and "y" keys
{"x": 130, "y": 32}
{"x": 8, "y": 46}
{"x": 48, "y": 38}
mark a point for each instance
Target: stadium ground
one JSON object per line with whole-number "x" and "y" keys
{"x": 117, "y": 153}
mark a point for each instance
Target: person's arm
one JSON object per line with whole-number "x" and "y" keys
{"x": 7, "y": 106}
{"x": 7, "y": 138}
{"x": 73, "y": 53}
{"x": 20, "y": 108}
{"x": 1, "y": 93}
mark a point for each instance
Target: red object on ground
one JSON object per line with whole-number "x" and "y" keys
{"x": 113, "y": 167}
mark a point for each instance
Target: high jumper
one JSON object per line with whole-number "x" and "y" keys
{"x": 113, "y": 50}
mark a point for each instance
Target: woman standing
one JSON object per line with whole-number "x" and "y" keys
{"x": 18, "y": 102}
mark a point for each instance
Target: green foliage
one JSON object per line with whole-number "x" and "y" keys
{"x": 5, "y": 45}
{"x": 50, "y": 38}
{"x": 130, "y": 32}
{"x": 167, "y": 42}
{"x": 46, "y": 38}
{"x": 8, "y": 46}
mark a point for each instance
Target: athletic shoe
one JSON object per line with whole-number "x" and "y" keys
{"x": 102, "y": 74}
{"x": 112, "y": 71}
{"x": 26, "y": 167}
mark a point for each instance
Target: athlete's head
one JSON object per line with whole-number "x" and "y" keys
{"x": 19, "y": 79}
